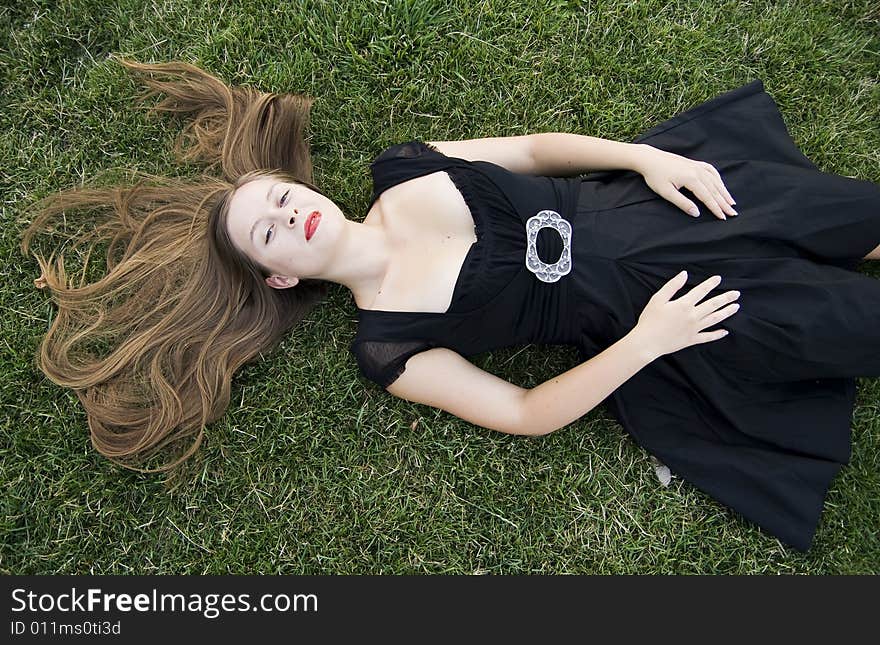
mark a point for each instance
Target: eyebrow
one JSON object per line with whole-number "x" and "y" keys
{"x": 268, "y": 195}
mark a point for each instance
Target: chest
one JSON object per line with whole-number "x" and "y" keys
{"x": 431, "y": 230}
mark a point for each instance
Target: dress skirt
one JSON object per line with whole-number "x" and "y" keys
{"x": 759, "y": 419}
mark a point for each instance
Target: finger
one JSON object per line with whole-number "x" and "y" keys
{"x": 723, "y": 189}
{"x": 671, "y": 193}
{"x": 696, "y": 294}
{"x": 706, "y": 336}
{"x": 711, "y": 169}
{"x": 674, "y": 284}
{"x": 721, "y": 200}
{"x": 702, "y": 191}
{"x": 720, "y": 181}
{"x": 705, "y": 308}
{"x": 711, "y": 182}
{"x": 718, "y": 316}
{"x": 729, "y": 196}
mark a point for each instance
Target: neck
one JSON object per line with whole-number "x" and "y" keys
{"x": 360, "y": 261}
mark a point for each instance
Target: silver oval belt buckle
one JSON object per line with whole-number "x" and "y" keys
{"x": 548, "y": 272}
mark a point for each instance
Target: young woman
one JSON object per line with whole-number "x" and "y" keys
{"x": 474, "y": 245}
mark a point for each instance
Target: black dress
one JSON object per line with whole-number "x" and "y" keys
{"x": 759, "y": 419}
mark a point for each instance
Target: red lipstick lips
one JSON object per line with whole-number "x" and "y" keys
{"x": 312, "y": 224}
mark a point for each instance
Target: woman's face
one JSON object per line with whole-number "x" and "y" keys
{"x": 267, "y": 221}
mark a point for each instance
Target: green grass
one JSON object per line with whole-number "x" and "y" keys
{"x": 314, "y": 469}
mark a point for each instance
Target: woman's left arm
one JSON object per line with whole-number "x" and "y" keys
{"x": 557, "y": 154}
{"x": 553, "y": 154}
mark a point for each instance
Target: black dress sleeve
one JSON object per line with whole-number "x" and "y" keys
{"x": 406, "y": 150}
{"x": 379, "y": 360}
{"x": 383, "y": 361}
{"x": 404, "y": 161}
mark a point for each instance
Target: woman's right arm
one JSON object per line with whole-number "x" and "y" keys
{"x": 441, "y": 378}
{"x": 557, "y": 402}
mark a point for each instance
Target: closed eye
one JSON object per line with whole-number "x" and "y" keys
{"x": 280, "y": 203}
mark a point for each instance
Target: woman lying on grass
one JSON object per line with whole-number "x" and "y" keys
{"x": 474, "y": 245}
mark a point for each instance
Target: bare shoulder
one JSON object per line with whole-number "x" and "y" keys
{"x": 513, "y": 153}
{"x": 442, "y": 378}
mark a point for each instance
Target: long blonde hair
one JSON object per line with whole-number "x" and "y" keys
{"x": 150, "y": 347}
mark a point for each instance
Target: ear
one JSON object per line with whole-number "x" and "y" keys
{"x": 281, "y": 282}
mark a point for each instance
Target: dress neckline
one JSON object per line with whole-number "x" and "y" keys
{"x": 462, "y": 185}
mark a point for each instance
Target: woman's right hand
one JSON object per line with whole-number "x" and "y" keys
{"x": 665, "y": 325}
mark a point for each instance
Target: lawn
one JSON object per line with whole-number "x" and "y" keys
{"x": 314, "y": 469}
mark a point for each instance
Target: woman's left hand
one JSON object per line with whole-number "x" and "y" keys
{"x": 666, "y": 172}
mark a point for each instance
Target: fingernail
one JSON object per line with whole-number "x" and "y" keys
{"x": 695, "y": 212}
{"x": 723, "y": 216}
{"x": 734, "y": 211}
